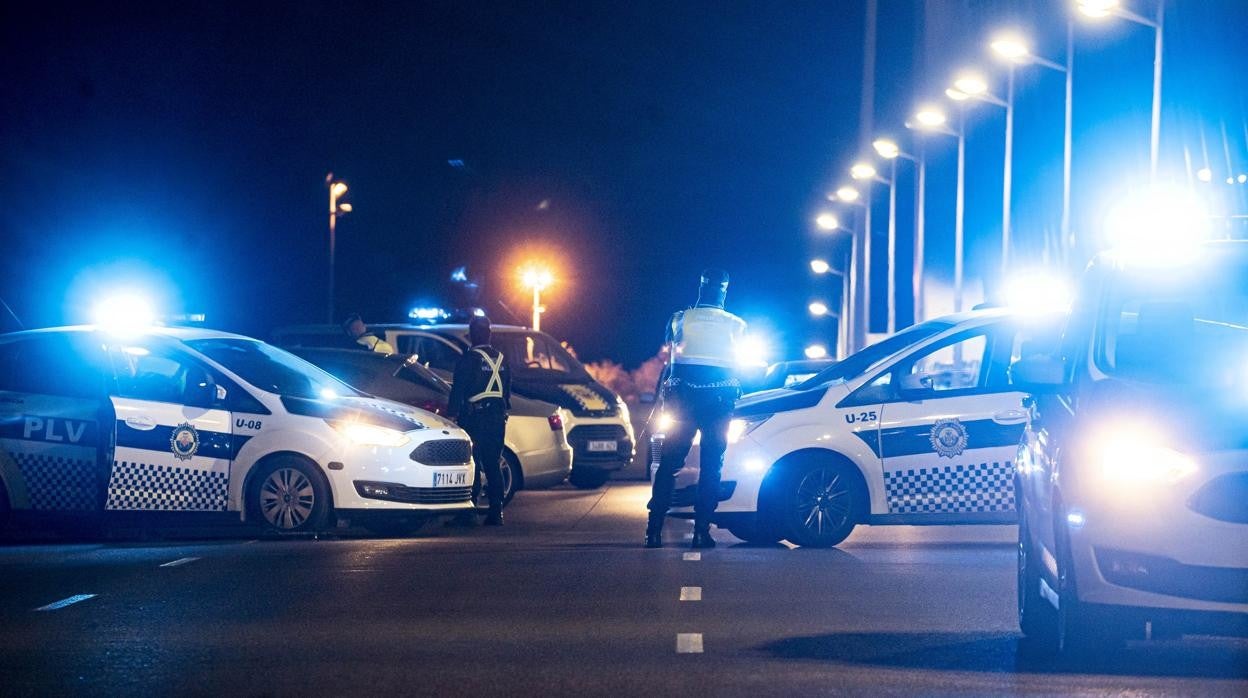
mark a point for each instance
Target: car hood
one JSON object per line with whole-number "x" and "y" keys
{"x": 379, "y": 411}
{"x": 590, "y": 399}
{"x": 1190, "y": 420}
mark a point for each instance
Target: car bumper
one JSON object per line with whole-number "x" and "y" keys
{"x": 546, "y": 467}
{"x": 364, "y": 478}
{"x": 585, "y": 435}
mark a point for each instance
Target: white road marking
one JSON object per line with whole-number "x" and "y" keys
{"x": 691, "y": 593}
{"x": 180, "y": 561}
{"x": 692, "y": 557}
{"x": 250, "y": 542}
{"x": 65, "y": 602}
{"x": 788, "y": 545}
{"x": 689, "y": 643}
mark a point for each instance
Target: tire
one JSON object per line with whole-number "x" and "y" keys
{"x": 1080, "y": 633}
{"x": 1036, "y": 616}
{"x": 508, "y": 469}
{"x": 756, "y": 533}
{"x": 818, "y": 504}
{"x": 588, "y": 478}
{"x": 289, "y": 495}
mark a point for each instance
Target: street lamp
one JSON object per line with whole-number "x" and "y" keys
{"x": 818, "y": 308}
{"x": 820, "y": 266}
{"x": 850, "y": 288}
{"x": 827, "y": 222}
{"x": 1100, "y": 9}
{"x": 336, "y": 190}
{"x": 537, "y": 279}
{"x": 932, "y": 119}
{"x": 889, "y": 150}
{"x": 1013, "y": 49}
{"x": 972, "y": 86}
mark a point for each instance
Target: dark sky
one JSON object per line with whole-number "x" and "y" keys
{"x": 183, "y": 146}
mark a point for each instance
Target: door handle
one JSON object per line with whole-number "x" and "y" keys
{"x": 1010, "y": 417}
{"x": 141, "y": 423}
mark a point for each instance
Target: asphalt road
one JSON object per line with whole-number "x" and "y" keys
{"x": 562, "y": 600}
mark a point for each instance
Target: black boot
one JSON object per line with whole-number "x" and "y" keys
{"x": 494, "y": 517}
{"x": 702, "y": 539}
{"x": 654, "y": 533}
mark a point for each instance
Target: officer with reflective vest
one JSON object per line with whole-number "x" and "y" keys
{"x": 699, "y": 394}
{"x": 358, "y": 332}
{"x": 480, "y": 399}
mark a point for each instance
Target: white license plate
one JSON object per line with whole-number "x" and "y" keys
{"x": 450, "y": 479}
{"x": 601, "y": 446}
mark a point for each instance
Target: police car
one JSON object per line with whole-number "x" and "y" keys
{"x": 920, "y": 428}
{"x": 1133, "y": 473}
{"x": 169, "y": 419}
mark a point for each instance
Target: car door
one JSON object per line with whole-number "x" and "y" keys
{"x": 950, "y": 430}
{"x": 174, "y": 437}
{"x": 54, "y": 419}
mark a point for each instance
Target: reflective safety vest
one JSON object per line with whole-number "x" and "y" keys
{"x": 494, "y": 386}
{"x": 374, "y": 343}
{"x": 706, "y": 337}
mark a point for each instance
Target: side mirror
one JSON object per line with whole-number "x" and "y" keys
{"x": 1038, "y": 374}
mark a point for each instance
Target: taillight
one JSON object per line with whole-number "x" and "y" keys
{"x": 556, "y": 422}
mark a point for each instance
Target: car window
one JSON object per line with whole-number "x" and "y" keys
{"x": 539, "y": 356}
{"x": 144, "y": 370}
{"x": 429, "y": 351}
{"x": 52, "y": 364}
{"x": 958, "y": 365}
{"x": 271, "y": 369}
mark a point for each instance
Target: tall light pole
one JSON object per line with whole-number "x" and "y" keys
{"x": 972, "y": 86}
{"x": 1098, "y": 9}
{"x": 933, "y": 120}
{"x": 889, "y": 150}
{"x": 336, "y": 189}
{"x": 537, "y": 279}
{"x": 847, "y": 337}
{"x": 1015, "y": 50}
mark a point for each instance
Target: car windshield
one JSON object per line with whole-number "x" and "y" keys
{"x": 412, "y": 372}
{"x": 861, "y": 362}
{"x": 1181, "y": 330}
{"x": 536, "y": 356}
{"x": 272, "y": 369}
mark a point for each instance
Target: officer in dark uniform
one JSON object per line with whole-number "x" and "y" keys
{"x": 699, "y": 393}
{"x": 480, "y": 399}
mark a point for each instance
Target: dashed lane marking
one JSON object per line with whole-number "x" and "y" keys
{"x": 57, "y": 605}
{"x": 180, "y": 561}
{"x": 691, "y": 593}
{"x": 788, "y": 545}
{"x": 692, "y": 557}
{"x": 689, "y": 643}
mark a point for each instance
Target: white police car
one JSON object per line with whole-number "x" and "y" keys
{"x": 921, "y": 428}
{"x": 1133, "y": 474}
{"x": 168, "y": 419}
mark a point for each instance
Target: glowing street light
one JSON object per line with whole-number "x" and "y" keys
{"x": 885, "y": 148}
{"x": 537, "y": 279}
{"x": 820, "y": 266}
{"x": 827, "y": 221}
{"x": 933, "y": 120}
{"x": 818, "y": 308}
{"x": 816, "y": 351}
{"x": 337, "y": 188}
{"x": 862, "y": 170}
{"x": 971, "y": 84}
{"x": 889, "y": 150}
{"x": 847, "y": 194}
{"x": 1011, "y": 47}
{"x": 1100, "y": 9}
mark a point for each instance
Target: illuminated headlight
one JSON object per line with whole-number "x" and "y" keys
{"x": 739, "y": 428}
{"x": 622, "y": 407}
{"x": 363, "y": 434}
{"x": 665, "y": 422}
{"x": 1129, "y": 457}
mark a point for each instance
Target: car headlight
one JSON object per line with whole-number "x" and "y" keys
{"x": 742, "y": 426}
{"x": 1133, "y": 457}
{"x": 664, "y": 422}
{"x": 364, "y": 434}
{"x": 622, "y": 407}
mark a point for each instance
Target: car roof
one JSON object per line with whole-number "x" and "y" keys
{"x": 457, "y": 328}
{"x": 180, "y": 334}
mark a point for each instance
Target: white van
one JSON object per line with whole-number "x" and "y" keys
{"x": 171, "y": 419}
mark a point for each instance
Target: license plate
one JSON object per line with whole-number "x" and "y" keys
{"x": 450, "y": 479}
{"x": 601, "y": 446}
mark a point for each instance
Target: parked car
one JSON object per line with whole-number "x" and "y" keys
{"x": 1133, "y": 470}
{"x": 536, "y": 451}
{"x": 596, "y": 419}
{"x": 169, "y": 419}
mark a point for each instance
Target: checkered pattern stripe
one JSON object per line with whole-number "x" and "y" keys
{"x": 57, "y": 483}
{"x": 953, "y": 489}
{"x": 144, "y": 487}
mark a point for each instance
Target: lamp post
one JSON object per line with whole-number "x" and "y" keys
{"x": 968, "y": 86}
{"x": 1015, "y": 51}
{"x": 336, "y": 189}
{"x": 889, "y": 150}
{"x": 848, "y": 337}
{"x": 932, "y": 119}
{"x": 537, "y": 279}
{"x": 1099, "y": 9}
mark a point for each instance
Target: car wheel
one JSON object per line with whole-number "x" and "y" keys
{"x": 289, "y": 496}
{"x": 508, "y": 471}
{"x": 756, "y": 532}
{"x": 818, "y": 505}
{"x": 1036, "y": 617}
{"x": 1079, "y": 632}
{"x": 588, "y": 478}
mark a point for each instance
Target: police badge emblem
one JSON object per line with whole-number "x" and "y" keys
{"x": 948, "y": 438}
{"x": 184, "y": 441}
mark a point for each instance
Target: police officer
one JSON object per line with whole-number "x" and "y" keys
{"x": 480, "y": 399}
{"x": 358, "y": 332}
{"x": 699, "y": 393}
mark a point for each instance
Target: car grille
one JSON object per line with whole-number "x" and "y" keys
{"x": 1161, "y": 575}
{"x": 417, "y": 495}
{"x": 1223, "y": 498}
{"x": 580, "y": 437}
{"x": 443, "y": 452}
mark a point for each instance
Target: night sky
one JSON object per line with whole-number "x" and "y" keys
{"x": 183, "y": 148}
